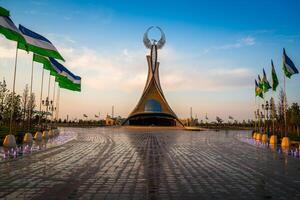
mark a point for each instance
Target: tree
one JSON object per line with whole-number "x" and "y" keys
{"x": 3, "y": 94}
{"x": 30, "y": 108}
{"x": 219, "y": 120}
{"x": 17, "y": 114}
{"x": 273, "y": 108}
{"x": 293, "y": 114}
{"x": 230, "y": 118}
{"x": 280, "y": 116}
{"x": 25, "y": 99}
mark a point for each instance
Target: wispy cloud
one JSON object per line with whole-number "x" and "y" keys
{"x": 127, "y": 70}
{"x": 246, "y": 41}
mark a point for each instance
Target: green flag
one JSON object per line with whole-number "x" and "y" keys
{"x": 63, "y": 81}
{"x": 38, "y": 44}
{"x": 46, "y": 64}
{"x": 260, "y": 83}
{"x": 258, "y": 90}
{"x": 8, "y": 28}
{"x": 274, "y": 77}
{"x": 289, "y": 67}
{"x": 265, "y": 83}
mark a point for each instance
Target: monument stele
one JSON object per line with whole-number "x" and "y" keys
{"x": 153, "y": 108}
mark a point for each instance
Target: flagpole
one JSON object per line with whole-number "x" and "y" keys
{"x": 57, "y": 103}
{"x": 13, "y": 94}
{"x": 41, "y": 96}
{"x": 259, "y": 117}
{"x": 31, "y": 82}
{"x": 255, "y": 123}
{"x": 285, "y": 104}
{"x": 52, "y": 109}
{"x": 48, "y": 100}
{"x": 273, "y": 113}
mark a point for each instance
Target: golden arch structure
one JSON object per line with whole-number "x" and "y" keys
{"x": 153, "y": 108}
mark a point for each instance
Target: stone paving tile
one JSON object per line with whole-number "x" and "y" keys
{"x": 143, "y": 163}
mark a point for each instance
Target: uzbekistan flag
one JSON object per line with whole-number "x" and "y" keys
{"x": 274, "y": 77}
{"x": 265, "y": 83}
{"x": 260, "y": 83}
{"x": 289, "y": 67}
{"x": 54, "y": 71}
{"x": 8, "y": 28}
{"x": 59, "y": 71}
{"x": 38, "y": 44}
{"x": 258, "y": 90}
{"x": 66, "y": 79}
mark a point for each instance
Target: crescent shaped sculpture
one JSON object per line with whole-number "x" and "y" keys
{"x": 146, "y": 40}
{"x": 162, "y": 40}
{"x": 160, "y": 43}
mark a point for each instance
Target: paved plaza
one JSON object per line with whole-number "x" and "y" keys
{"x": 152, "y": 163}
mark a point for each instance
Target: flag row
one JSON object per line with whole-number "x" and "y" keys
{"x": 262, "y": 85}
{"x": 43, "y": 50}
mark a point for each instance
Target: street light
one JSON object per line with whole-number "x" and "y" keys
{"x": 267, "y": 107}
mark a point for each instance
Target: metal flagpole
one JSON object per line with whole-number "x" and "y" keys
{"x": 41, "y": 96}
{"x": 284, "y": 108}
{"x": 13, "y": 94}
{"x": 256, "y": 112}
{"x": 273, "y": 112}
{"x": 264, "y": 115}
{"x": 31, "y": 82}
{"x": 259, "y": 117}
{"x": 57, "y": 103}
{"x": 52, "y": 109}
{"x": 47, "y": 99}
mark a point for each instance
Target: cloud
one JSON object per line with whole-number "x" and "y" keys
{"x": 247, "y": 41}
{"x": 126, "y": 70}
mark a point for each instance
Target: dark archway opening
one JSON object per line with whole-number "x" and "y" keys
{"x": 153, "y": 119}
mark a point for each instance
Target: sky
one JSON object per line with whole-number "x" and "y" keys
{"x": 214, "y": 50}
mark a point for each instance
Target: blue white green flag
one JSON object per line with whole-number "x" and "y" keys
{"x": 289, "y": 67}
{"x": 38, "y": 44}
{"x": 274, "y": 77}
{"x": 66, "y": 79}
{"x": 265, "y": 83}
{"x": 8, "y": 28}
{"x": 258, "y": 90}
{"x": 260, "y": 83}
{"x": 61, "y": 73}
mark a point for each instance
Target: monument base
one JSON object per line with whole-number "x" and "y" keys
{"x": 152, "y": 119}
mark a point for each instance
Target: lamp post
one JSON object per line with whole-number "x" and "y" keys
{"x": 272, "y": 115}
{"x": 49, "y": 106}
{"x": 267, "y": 107}
{"x": 258, "y": 118}
{"x": 273, "y": 138}
{"x": 52, "y": 109}
{"x": 255, "y": 122}
{"x": 263, "y": 116}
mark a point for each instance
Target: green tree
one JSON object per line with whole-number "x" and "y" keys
{"x": 3, "y": 93}
{"x": 219, "y": 120}
{"x": 294, "y": 114}
{"x": 280, "y": 116}
{"x": 25, "y": 99}
{"x": 17, "y": 114}
{"x": 273, "y": 111}
{"x": 30, "y": 108}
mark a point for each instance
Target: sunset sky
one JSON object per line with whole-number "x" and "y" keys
{"x": 213, "y": 53}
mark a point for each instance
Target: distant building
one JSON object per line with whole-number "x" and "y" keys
{"x": 109, "y": 121}
{"x": 189, "y": 122}
{"x": 113, "y": 121}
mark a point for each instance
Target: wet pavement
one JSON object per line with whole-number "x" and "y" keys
{"x": 144, "y": 163}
